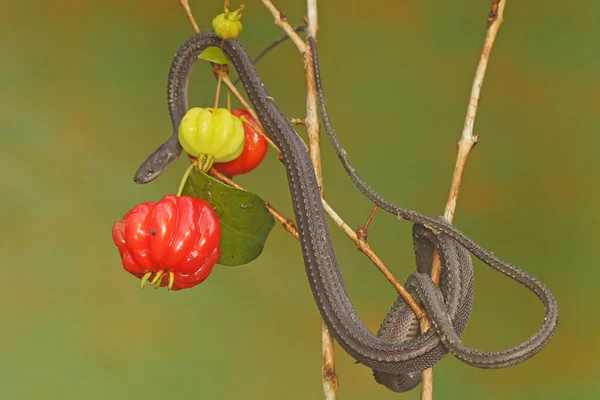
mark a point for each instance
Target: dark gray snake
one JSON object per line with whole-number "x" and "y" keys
{"x": 399, "y": 352}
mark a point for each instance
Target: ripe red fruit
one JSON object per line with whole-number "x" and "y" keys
{"x": 173, "y": 243}
{"x": 254, "y": 150}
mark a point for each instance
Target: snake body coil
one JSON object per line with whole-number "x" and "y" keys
{"x": 395, "y": 355}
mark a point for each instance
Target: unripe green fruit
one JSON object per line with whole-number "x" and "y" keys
{"x": 215, "y": 133}
{"x": 228, "y": 25}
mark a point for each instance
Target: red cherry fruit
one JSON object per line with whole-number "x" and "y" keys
{"x": 254, "y": 150}
{"x": 173, "y": 243}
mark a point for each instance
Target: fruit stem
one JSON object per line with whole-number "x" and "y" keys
{"x": 218, "y": 91}
{"x": 186, "y": 175}
{"x": 261, "y": 132}
{"x": 235, "y": 13}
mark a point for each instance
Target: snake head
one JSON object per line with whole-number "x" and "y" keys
{"x": 158, "y": 161}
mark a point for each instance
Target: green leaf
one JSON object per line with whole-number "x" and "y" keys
{"x": 245, "y": 221}
{"x": 214, "y": 55}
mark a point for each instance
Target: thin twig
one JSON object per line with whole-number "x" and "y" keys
{"x": 329, "y": 376}
{"x": 218, "y": 90}
{"x": 287, "y": 223}
{"x": 363, "y": 231}
{"x": 281, "y": 39}
{"x": 313, "y": 21}
{"x": 468, "y": 139}
{"x": 188, "y": 11}
{"x": 297, "y": 121}
{"x": 328, "y": 373}
{"x": 365, "y": 248}
{"x": 281, "y": 21}
{"x": 312, "y": 119}
{"x": 239, "y": 96}
{"x": 272, "y": 46}
{"x": 466, "y": 143}
{"x": 227, "y": 81}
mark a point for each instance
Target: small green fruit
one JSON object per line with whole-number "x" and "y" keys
{"x": 228, "y": 25}
{"x": 215, "y": 133}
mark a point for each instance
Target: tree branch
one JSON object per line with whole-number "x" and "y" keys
{"x": 313, "y": 22}
{"x": 466, "y": 143}
{"x": 188, "y": 12}
{"x": 329, "y": 376}
{"x": 281, "y": 21}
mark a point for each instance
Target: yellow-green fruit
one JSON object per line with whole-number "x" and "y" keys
{"x": 228, "y": 25}
{"x": 212, "y": 132}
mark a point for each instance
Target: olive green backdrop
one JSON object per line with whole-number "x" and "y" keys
{"x": 82, "y": 103}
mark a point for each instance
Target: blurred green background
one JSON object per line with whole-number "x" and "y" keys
{"x": 83, "y": 103}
